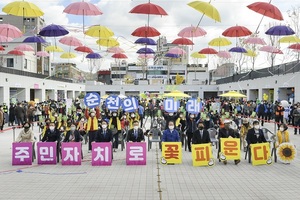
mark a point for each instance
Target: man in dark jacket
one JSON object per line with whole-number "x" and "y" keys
{"x": 136, "y": 134}
{"x": 191, "y": 127}
{"x": 255, "y": 134}
{"x": 104, "y": 134}
{"x": 201, "y": 136}
{"x": 20, "y": 114}
{"x": 73, "y": 135}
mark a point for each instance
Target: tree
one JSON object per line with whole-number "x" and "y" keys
{"x": 143, "y": 62}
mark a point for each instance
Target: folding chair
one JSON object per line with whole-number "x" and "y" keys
{"x": 154, "y": 134}
{"x": 212, "y": 134}
{"x": 270, "y": 137}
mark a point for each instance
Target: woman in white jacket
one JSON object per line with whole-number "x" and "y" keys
{"x": 26, "y": 135}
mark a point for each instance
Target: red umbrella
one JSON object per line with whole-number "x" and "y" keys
{"x": 16, "y": 52}
{"x": 192, "y": 31}
{"x": 2, "y": 48}
{"x": 148, "y": 8}
{"x": 119, "y": 56}
{"x": 237, "y": 31}
{"x": 266, "y": 9}
{"x": 208, "y": 51}
{"x": 84, "y": 49}
{"x": 183, "y": 41}
{"x": 145, "y": 31}
{"x": 294, "y": 46}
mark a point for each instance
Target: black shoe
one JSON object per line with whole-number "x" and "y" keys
{"x": 237, "y": 162}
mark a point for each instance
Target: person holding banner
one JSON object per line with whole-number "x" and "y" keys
{"x": 136, "y": 134}
{"x": 201, "y": 136}
{"x": 52, "y": 135}
{"x": 243, "y": 132}
{"x": 170, "y": 117}
{"x": 92, "y": 125}
{"x": 255, "y": 135}
{"x": 191, "y": 127}
{"x": 81, "y": 127}
{"x": 227, "y": 132}
{"x": 115, "y": 127}
{"x": 171, "y": 134}
{"x": 132, "y": 118}
{"x": 73, "y": 135}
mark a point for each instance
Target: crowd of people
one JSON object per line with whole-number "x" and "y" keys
{"x": 241, "y": 119}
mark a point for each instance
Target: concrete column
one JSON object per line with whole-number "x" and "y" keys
{"x": 260, "y": 94}
{"x": 4, "y": 95}
{"x": 38, "y": 94}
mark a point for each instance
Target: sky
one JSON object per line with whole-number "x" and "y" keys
{"x": 116, "y": 16}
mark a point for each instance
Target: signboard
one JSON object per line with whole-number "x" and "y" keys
{"x": 101, "y": 154}
{"x": 193, "y": 106}
{"x": 136, "y": 153}
{"x": 261, "y": 154}
{"x": 130, "y": 104}
{"x": 230, "y": 149}
{"x": 202, "y": 155}
{"x": 113, "y": 103}
{"x": 171, "y": 153}
{"x": 22, "y": 153}
{"x": 92, "y": 100}
{"x": 71, "y": 153}
{"x": 170, "y": 105}
{"x": 46, "y": 153}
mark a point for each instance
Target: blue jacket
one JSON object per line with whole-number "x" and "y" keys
{"x": 169, "y": 136}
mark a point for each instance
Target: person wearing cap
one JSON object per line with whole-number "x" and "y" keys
{"x": 243, "y": 133}
{"x": 26, "y": 134}
{"x": 227, "y": 132}
{"x": 201, "y": 135}
{"x": 92, "y": 125}
{"x": 255, "y": 135}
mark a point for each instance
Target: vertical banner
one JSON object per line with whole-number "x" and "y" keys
{"x": 22, "y": 153}
{"x": 130, "y": 104}
{"x": 136, "y": 153}
{"x": 230, "y": 149}
{"x": 171, "y": 153}
{"x": 101, "y": 154}
{"x": 202, "y": 155}
{"x": 261, "y": 154}
{"x": 71, "y": 153}
{"x": 46, "y": 153}
{"x": 170, "y": 105}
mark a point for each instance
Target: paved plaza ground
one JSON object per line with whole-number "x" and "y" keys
{"x": 244, "y": 181}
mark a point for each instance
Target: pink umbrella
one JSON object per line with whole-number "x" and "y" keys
{"x": 16, "y": 52}
{"x": 115, "y": 50}
{"x": 5, "y": 39}
{"x": 270, "y": 49}
{"x": 10, "y": 31}
{"x": 224, "y": 54}
{"x": 192, "y": 31}
{"x": 255, "y": 40}
{"x": 42, "y": 54}
{"x": 70, "y": 41}
{"x": 146, "y": 56}
{"x": 176, "y": 51}
{"x": 24, "y": 47}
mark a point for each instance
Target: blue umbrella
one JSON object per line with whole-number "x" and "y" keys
{"x": 238, "y": 50}
{"x": 93, "y": 56}
{"x": 280, "y": 30}
{"x": 145, "y": 51}
{"x": 147, "y": 41}
{"x": 34, "y": 39}
{"x": 170, "y": 55}
{"x": 53, "y": 30}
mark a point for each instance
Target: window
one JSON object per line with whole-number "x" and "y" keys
{"x": 1, "y": 19}
{"x": 33, "y": 19}
{"x": 10, "y": 62}
{"x": 25, "y": 63}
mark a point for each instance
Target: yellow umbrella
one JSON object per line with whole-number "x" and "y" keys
{"x": 108, "y": 42}
{"x": 233, "y": 94}
{"x": 105, "y": 96}
{"x": 289, "y": 39}
{"x": 250, "y": 53}
{"x": 198, "y": 55}
{"x": 99, "y": 31}
{"x": 219, "y": 42}
{"x": 23, "y": 9}
{"x": 68, "y": 55}
{"x": 207, "y": 9}
{"x": 143, "y": 96}
{"x": 176, "y": 93}
{"x": 54, "y": 49}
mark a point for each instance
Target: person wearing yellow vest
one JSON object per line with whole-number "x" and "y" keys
{"x": 81, "y": 127}
{"x": 133, "y": 117}
{"x": 115, "y": 126}
{"x": 282, "y": 135}
{"x": 92, "y": 125}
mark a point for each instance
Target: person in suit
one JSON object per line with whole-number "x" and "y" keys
{"x": 171, "y": 134}
{"x": 135, "y": 134}
{"x": 104, "y": 134}
{"x": 73, "y": 135}
{"x": 255, "y": 134}
{"x": 201, "y": 136}
{"x": 52, "y": 134}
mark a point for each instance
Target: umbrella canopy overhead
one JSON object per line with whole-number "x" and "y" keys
{"x": 24, "y": 47}
{"x": 70, "y": 41}
{"x": 68, "y": 55}
{"x": 145, "y": 51}
{"x": 42, "y": 54}
{"x": 207, "y": 9}
{"x": 2, "y": 48}
{"x": 5, "y": 39}
{"x": 289, "y": 39}
{"x": 177, "y": 51}
{"x": 238, "y": 50}
{"x": 197, "y": 55}
{"x": 208, "y": 51}
{"x": 82, "y": 8}
{"x": 220, "y": 41}
{"x": 54, "y": 49}
{"x": 172, "y": 55}
{"x": 280, "y": 30}
{"x": 93, "y": 56}
{"x": 16, "y": 52}
{"x": 115, "y": 50}
{"x": 176, "y": 93}
{"x": 270, "y": 49}
{"x": 250, "y": 53}
{"x": 34, "y": 39}
{"x": 108, "y": 42}
{"x": 266, "y": 9}
{"x": 146, "y": 56}
{"x": 224, "y": 54}
{"x": 233, "y": 94}
{"x": 148, "y": 8}
{"x": 145, "y": 31}
{"x": 99, "y": 31}
{"x": 84, "y": 49}
{"x": 237, "y": 31}
{"x": 294, "y": 46}
{"x": 53, "y": 30}
{"x": 255, "y": 40}
{"x": 119, "y": 56}
{"x": 10, "y": 31}
{"x": 22, "y": 9}
{"x": 146, "y": 41}
{"x": 192, "y": 31}
{"x": 183, "y": 41}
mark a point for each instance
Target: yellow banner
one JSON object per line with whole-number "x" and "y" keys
{"x": 171, "y": 153}
{"x": 202, "y": 155}
{"x": 261, "y": 154}
{"x": 230, "y": 149}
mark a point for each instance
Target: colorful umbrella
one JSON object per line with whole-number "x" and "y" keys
{"x": 42, "y": 54}
{"x": 68, "y": 55}
{"x": 255, "y": 40}
{"x": 234, "y": 94}
{"x": 84, "y": 9}
{"x": 220, "y": 41}
{"x": 16, "y": 52}
{"x": 2, "y": 48}
{"x": 119, "y": 56}
{"x": 270, "y": 49}
{"x": 115, "y": 50}
{"x": 54, "y": 49}
{"x": 294, "y": 46}
{"x": 183, "y": 41}
{"x": 145, "y": 31}
{"x": 289, "y": 39}
{"x": 208, "y": 51}
{"x": 84, "y": 49}
{"x": 237, "y": 31}
{"x": 148, "y": 8}
{"x": 172, "y": 55}
{"x": 176, "y": 93}
{"x": 266, "y": 9}
{"x": 250, "y": 53}
{"x": 108, "y": 42}
{"x": 198, "y": 55}
{"x": 4, "y": 39}
{"x": 53, "y": 30}
{"x": 206, "y": 9}
{"x": 176, "y": 50}
{"x": 70, "y": 41}
{"x": 224, "y": 54}
{"x": 145, "y": 51}
{"x": 280, "y": 30}
{"x": 238, "y": 50}
{"x": 22, "y": 9}
{"x": 145, "y": 41}
{"x": 192, "y": 31}
{"x": 10, "y": 31}
{"x": 34, "y": 39}
{"x": 24, "y": 47}
{"x": 99, "y": 31}
{"x": 93, "y": 56}
{"x": 146, "y": 56}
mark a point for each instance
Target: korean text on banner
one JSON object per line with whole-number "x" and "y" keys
{"x": 22, "y": 153}
{"x": 261, "y": 154}
{"x": 101, "y": 154}
{"x": 71, "y": 153}
{"x": 171, "y": 105}
{"x": 172, "y": 152}
{"x": 136, "y": 153}
{"x": 92, "y": 100}
{"x": 202, "y": 155}
{"x": 46, "y": 153}
{"x": 230, "y": 149}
